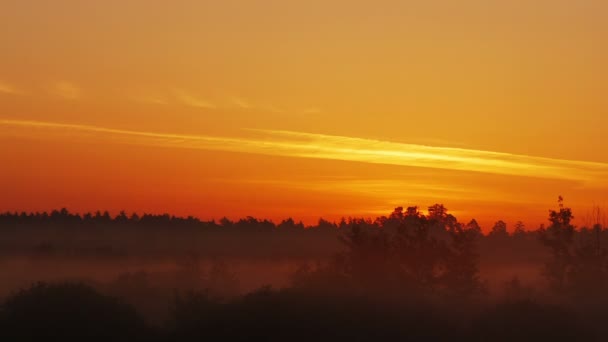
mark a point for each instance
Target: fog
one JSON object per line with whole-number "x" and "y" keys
{"x": 181, "y": 277}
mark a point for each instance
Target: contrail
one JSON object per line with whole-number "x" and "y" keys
{"x": 310, "y": 145}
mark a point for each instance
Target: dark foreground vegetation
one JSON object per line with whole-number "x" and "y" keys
{"x": 407, "y": 276}
{"x": 78, "y": 312}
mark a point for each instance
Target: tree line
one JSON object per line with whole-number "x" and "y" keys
{"x": 64, "y": 218}
{"x": 407, "y": 275}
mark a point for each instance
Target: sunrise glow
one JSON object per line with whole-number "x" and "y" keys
{"x": 231, "y": 108}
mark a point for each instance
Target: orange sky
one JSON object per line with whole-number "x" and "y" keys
{"x": 304, "y": 108}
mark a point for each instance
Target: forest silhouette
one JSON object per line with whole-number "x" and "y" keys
{"x": 407, "y": 275}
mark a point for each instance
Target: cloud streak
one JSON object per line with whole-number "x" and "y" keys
{"x": 66, "y": 90}
{"x": 8, "y": 89}
{"x": 309, "y": 145}
{"x": 192, "y": 101}
{"x": 241, "y": 103}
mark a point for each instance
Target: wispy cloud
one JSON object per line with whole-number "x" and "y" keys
{"x": 66, "y": 90}
{"x": 241, "y": 103}
{"x": 191, "y": 100}
{"x": 309, "y": 145}
{"x": 8, "y": 89}
{"x": 381, "y": 188}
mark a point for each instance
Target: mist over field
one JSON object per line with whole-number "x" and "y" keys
{"x": 184, "y": 278}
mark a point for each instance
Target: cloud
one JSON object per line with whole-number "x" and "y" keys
{"x": 8, "y": 89}
{"x": 192, "y": 101}
{"x": 310, "y": 145}
{"x": 381, "y": 188}
{"x": 66, "y": 90}
{"x": 241, "y": 103}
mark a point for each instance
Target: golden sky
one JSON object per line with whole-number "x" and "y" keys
{"x": 304, "y": 108}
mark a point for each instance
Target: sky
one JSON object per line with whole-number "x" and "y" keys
{"x": 304, "y": 108}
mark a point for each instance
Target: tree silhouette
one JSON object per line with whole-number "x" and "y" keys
{"x": 499, "y": 230}
{"x": 558, "y": 237}
{"x": 474, "y": 227}
{"x": 461, "y": 276}
{"x": 392, "y": 270}
{"x": 368, "y": 256}
{"x": 420, "y": 255}
{"x": 519, "y": 230}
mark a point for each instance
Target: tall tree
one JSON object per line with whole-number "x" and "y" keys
{"x": 499, "y": 230}
{"x": 558, "y": 237}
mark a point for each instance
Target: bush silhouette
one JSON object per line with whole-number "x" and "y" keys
{"x": 526, "y": 320}
{"x": 289, "y": 315}
{"x": 68, "y": 312}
